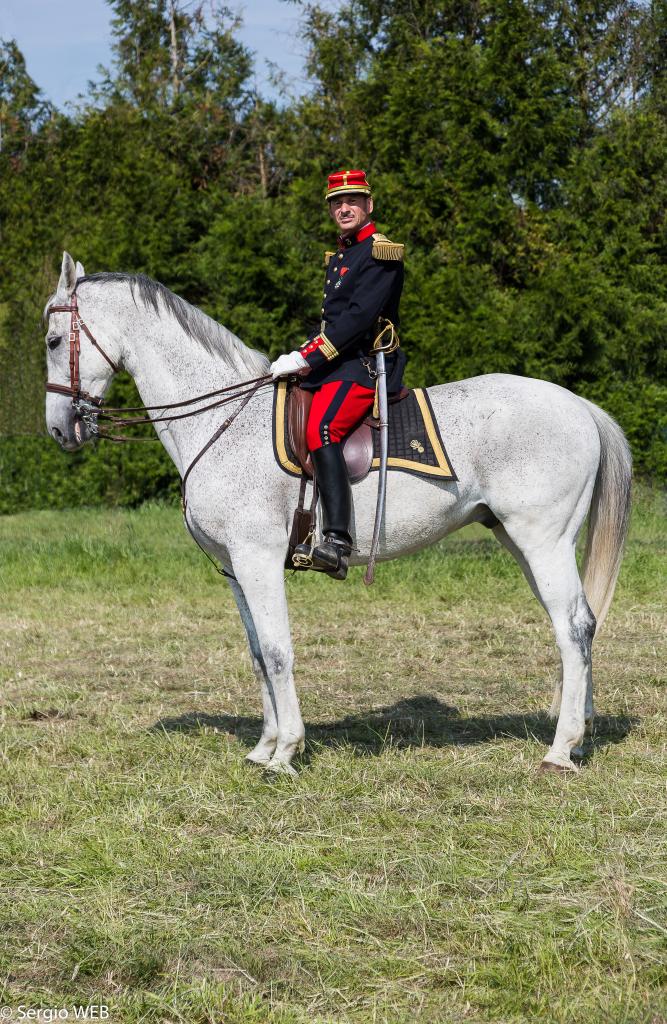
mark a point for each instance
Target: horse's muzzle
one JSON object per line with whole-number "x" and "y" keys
{"x": 74, "y": 439}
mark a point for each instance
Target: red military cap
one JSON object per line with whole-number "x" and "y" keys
{"x": 347, "y": 181}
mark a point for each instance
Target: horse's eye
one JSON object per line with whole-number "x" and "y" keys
{"x": 54, "y": 342}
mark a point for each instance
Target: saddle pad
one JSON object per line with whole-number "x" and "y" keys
{"x": 415, "y": 445}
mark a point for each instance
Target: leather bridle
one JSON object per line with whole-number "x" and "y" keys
{"x": 89, "y": 407}
{"x": 76, "y": 326}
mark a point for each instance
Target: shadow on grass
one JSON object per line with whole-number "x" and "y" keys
{"x": 415, "y": 722}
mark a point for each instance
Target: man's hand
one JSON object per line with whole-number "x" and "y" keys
{"x": 293, "y": 362}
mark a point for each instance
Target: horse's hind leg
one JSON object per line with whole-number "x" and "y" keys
{"x": 551, "y": 570}
{"x": 263, "y": 752}
{"x": 589, "y": 712}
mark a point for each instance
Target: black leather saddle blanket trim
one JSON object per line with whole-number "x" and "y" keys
{"x": 415, "y": 444}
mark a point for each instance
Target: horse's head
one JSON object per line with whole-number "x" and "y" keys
{"x": 78, "y": 369}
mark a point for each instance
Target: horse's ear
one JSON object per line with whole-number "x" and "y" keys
{"x": 67, "y": 282}
{"x": 80, "y": 272}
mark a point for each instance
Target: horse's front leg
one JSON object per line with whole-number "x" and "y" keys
{"x": 259, "y": 574}
{"x": 263, "y": 752}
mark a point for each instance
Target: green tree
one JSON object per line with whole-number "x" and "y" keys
{"x": 517, "y": 148}
{"x": 22, "y": 107}
{"x": 505, "y": 139}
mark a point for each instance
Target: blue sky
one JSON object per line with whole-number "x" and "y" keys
{"x": 63, "y": 41}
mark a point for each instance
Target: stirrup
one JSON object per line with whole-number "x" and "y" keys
{"x": 332, "y": 556}
{"x": 302, "y": 557}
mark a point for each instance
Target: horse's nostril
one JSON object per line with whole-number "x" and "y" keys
{"x": 56, "y": 434}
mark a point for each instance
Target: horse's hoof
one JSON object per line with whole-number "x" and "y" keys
{"x": 560, "y": 769}
{"x": 262, "y": 752}
{"x": 277, "y": 767}
{"x": 261, "y": 760}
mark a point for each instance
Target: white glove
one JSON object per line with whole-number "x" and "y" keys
{"x": 293, "y": 362}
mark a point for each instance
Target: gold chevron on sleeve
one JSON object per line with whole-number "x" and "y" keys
{"x": 327, "y": 348}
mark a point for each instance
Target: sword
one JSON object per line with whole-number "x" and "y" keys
{"x": 383, "y": 410}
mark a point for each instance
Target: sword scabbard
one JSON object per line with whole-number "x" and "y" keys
{"x": 383, "y": 413}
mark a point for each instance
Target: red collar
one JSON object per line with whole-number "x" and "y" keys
{"x": 368, "y": 229}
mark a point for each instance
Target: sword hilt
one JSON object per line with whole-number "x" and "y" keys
{"x": 394, "y": 340}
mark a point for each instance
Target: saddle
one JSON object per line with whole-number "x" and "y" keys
{"x": 415, "y": 444}
{"x": 358, "y": 448}
{"x": 415, "y": 447}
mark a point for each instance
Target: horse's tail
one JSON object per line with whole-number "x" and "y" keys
{"x": 609, "y": 514}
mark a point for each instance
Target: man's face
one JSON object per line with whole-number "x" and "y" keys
{"x": 350, "y": 212}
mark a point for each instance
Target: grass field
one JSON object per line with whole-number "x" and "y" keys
{"x": 419, "y": 869}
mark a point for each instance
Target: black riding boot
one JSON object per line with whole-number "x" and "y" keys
{"x": 333, "y": 482}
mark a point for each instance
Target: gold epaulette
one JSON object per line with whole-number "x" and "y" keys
{"x": 383, "y": 249}
{"x": 327, "y": 257}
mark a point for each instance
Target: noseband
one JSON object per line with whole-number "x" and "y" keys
{"x": 76, "y": 326}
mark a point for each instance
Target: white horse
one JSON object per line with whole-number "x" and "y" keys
{"x": 532, "y": 460}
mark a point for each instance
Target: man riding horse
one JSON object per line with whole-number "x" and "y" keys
{"x": 362, "y": 290}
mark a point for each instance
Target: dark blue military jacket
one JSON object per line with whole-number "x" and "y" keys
{"x": 363, "y": 283}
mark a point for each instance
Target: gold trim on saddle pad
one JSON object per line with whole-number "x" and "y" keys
{"x": 280, "y": 432}
{"x": 443, "y": 468}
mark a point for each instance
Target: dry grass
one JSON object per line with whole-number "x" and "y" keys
{"x": 420, "y": 869}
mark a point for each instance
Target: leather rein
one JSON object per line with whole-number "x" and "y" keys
{"x": 90, "y": 407}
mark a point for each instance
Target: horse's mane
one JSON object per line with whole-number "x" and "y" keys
{"x": 197, "y": 325}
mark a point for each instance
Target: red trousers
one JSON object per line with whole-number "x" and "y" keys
{"x": 337, "y": 408}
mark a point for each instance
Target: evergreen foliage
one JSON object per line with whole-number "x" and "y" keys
{"x": 519, "y": 150}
